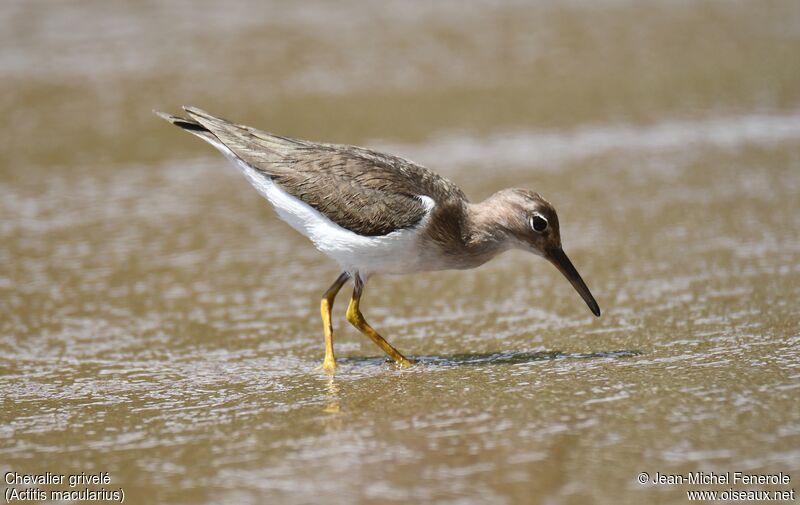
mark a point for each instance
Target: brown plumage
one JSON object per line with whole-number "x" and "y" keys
{"x": 380, "y": 191}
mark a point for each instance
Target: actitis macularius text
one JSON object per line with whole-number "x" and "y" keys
{"x": 376, "y": 213}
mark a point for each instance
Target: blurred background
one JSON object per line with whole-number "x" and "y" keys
{"x": 158, "y": 322}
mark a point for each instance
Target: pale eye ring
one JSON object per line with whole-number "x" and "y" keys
{"x": 538, "y": 223}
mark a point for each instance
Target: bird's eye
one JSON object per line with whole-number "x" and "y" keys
{"x": 538, "y": 223}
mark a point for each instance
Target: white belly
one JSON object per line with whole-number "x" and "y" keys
{"x": 395, "y": 253}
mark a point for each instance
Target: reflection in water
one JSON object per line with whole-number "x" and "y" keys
{"x": 332, "y": 396}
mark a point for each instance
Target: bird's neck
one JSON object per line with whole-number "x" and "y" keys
{"x": 485, "y": 232}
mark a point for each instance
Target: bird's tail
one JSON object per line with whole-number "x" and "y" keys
{"x": 189, "y": 125}
{"x": 195, "y": 128}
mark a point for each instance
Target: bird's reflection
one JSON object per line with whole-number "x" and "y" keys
{"x": 333, "y": 404}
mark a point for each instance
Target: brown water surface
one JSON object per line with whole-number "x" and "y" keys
{"x": 160, "y": 323}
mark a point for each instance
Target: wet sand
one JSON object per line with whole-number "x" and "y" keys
{"x": 160, "y": 323}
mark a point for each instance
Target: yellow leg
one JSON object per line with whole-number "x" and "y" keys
{"x": 325, "y": 309}
{"x": 357, "y": 319}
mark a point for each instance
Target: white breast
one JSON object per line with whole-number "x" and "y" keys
{"x": 395, "y": 253}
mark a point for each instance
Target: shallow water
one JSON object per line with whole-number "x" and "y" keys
{"x": 159, "y": 323}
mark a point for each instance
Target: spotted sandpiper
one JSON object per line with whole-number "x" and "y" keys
{"x": 375, "y": 213}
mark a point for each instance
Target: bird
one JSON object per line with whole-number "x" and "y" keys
{"x": 376, "y": 213}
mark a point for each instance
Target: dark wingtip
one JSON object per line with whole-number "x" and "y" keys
{"x": 595, "y": 310}
{"x": 186, "y": 124}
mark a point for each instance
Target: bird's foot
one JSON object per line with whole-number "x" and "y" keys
{"x": 329, "y": 365}
{"x": 404, "y": 362}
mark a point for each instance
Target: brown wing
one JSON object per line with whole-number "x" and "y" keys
{"x": 364, "y": 191}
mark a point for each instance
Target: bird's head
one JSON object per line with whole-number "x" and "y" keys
{"x": 531, "y": 223}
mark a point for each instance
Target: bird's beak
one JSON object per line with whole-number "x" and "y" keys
{"x": 558, "y": 257}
